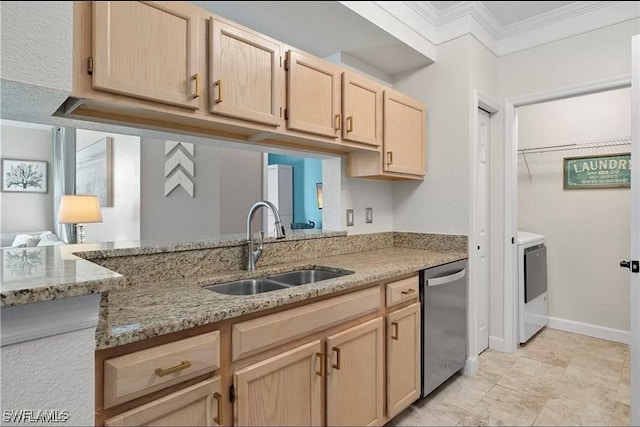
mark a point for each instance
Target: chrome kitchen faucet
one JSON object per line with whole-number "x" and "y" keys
{"x": 254, "y": 254}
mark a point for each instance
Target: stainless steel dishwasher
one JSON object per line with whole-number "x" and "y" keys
{"x": 443, "y": 294}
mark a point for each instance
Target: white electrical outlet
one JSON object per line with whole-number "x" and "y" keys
{"x": 349, "y": 217}
{"x": 368, "y": 215}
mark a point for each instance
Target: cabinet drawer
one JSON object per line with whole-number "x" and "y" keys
{"x": 136, "y": 374}
{"x": 402, "y": 290}
{"x": 254, "y": 336}
{"x": 198, "y": 405}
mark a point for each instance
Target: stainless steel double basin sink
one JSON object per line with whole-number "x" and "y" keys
{"x": 275, "y": 282}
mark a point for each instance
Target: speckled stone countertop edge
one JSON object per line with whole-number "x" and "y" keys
{"x": 61, "y": 291}
{"x": 237, "y": 306}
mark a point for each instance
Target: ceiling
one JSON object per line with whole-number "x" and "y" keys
{"x": 510, "y": 12}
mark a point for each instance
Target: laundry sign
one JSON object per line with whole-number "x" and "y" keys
{"x": 605, "y": 171}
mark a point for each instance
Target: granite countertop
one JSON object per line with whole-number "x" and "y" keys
{"x": 48, "y": 273}
{"x": 30, "y": 275}
{"x": 151, "y": 309}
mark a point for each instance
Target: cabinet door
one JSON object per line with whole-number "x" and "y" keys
{"x": 362, "y": 109}
{"x": 193, "y": 406}
{"x": 245, "y": 74}
{"x": 404, "y": 126}
{"x": 355, "y": 375}
{"x": 284, "y": 390}
{"x": 403, "y": 358}
{"x": 146, "y": 50}
{"x": 313, "y": 95}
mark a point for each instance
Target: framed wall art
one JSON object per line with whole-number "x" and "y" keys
{"x": 94, "y": 173}
{"x": 24, "y": 176}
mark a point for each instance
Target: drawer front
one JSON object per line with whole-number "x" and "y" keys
{"x": 260, "y": 334}
{"x": 197, "y": 405}
{"x": 402, "y": 290}
{"x": 136, "y": 374}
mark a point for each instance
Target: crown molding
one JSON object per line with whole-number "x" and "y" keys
{"x": 472, "y": 17}
{"x": 475, "y": 10}
{"x": 551, "y": 17}
{"x": 576, "y": 21}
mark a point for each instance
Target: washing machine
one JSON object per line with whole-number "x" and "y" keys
{"x": 532, "y": 284}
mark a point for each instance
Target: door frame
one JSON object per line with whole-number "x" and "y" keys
{"x": 634, "y": 280}
{"x": 511, "y": 106}
{"x": 480, "y": 100}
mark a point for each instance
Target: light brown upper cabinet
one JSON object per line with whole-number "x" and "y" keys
{"x": 361, "y": 109}
{"x": 313, "y": 95}
{"x": 354, "y": 376}
{"x": 245, "y": 73}
{"x": 403, "y": 142}
{"x": 147, "y": 50}
{"x": 404, "y": 124}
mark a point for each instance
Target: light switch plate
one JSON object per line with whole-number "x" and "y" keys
{"x": 368, "y": 215}
{"x": 349, "y": 217}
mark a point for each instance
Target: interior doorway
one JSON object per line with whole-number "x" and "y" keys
{"x": 512, "y": 107}
{"x": 574, "y": 189}
{"x": 478, "y": 289}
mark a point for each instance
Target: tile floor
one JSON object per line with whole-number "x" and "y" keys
{"x": 556, "y": 379}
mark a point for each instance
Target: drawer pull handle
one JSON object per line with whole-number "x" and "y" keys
{"x": 163, "y": 372}
{"x": 218, "y": 83}
{"x": 396, "y": 331}
{"x": 350, "y": 124}
{"x": 320, "y": 357}
{"x": 218, "y": 419}
{"x": 389, "y": 157}
{"x": 196, "y": 77}
{"x": 337, "y": 364}
{"x": 408, "y": 291}
{"x": 338, "y": 121}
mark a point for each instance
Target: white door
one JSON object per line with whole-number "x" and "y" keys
{"x": 482, "y": 227}
{"x": 635, "y": 231}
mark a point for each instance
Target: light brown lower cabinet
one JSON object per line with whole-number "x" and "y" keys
{"x": 355, "y": 375}
{"x": 284, "y": 390}
{"x": 196, "y": 405}
{"x": 403, "y": 358}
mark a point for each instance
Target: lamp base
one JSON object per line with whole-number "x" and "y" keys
{"x": 80, "y": 233}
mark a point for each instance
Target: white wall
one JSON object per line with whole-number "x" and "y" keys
{"x": 52, "y": 373}
{"x": 440, "y": 203}
{"x": 122, "y": 221}
{"x": 27, "y": 211}
{"x": 588, "y": 57}
{"x": 359, "y": 194}
{"x": 587, "y": 231}
{"x": 37, "y": 36}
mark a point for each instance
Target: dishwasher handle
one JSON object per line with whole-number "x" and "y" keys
{"x": 437, "y": 281}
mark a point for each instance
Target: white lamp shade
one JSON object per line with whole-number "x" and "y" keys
{"x": 79, "y": 209}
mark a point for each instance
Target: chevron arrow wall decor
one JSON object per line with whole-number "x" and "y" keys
{"x": 179, "y": 169}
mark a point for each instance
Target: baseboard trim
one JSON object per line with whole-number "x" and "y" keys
{"x": 595, "y": 331}
{"x": 497, "y": 344}
{"x": 470, "y": 366}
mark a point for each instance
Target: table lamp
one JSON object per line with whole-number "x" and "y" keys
{"x": 79, "y": 209}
